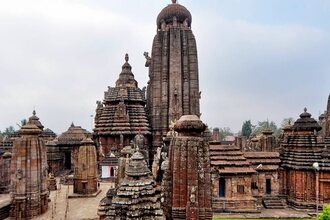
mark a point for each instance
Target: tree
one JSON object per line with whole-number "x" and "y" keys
{"x": 263, "y": 125}
{"x": 286, "y": 121}
{"x": 22, "y": 123}
{"x": 325, "y": 215}
{"x": 9, "y": 131}
{"x": 225, "y": 132}
{"x": 247, "y": 128}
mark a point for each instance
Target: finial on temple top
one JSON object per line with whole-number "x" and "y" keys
{"x": 305, "y": 109}
{"x": 173, "y": 1}
{"x": 126, "y": 57}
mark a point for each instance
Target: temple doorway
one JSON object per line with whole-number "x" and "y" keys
{"x": 67, "y": 160}
{"x": 268, "y": 186}
{"x": 222, "y": 187}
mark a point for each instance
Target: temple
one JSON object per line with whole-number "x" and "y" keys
{"x": 304, "y": 169}
{"x": 173, "y": 88}
{"x": 122, "y": 115}
{"x": 137, "y": 196}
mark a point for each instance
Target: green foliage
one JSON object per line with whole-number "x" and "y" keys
{"x": 325, "y": 215}
{"x": 247, "y": 128}
{"x": 9, "y": 131}
{"x": 262, "y": 125}
{"x": 225, "y": 132}
{"x": 287, "y": 121}
{"x": 22, "y": 123}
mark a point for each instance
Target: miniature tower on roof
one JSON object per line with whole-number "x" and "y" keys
{"x": 173, "y": 88}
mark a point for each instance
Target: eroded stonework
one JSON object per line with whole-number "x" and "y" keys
{"x": 187, "y": 181}
{"x": 29, "y": 172}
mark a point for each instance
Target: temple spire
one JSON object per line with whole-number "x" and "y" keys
{"x": 126, "y": 57}
{"x": 173, "y": 1}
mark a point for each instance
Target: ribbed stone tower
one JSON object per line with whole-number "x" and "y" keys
{"x": 29, "y": 172}
{"x": 85, "y": 174}
{"x": 187, "y": 181}
{"x": 173, "y": 88}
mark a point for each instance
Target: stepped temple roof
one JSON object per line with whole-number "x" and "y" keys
{"x": 123, "y": 109}
{"x": 73, "y": 136}
{"x": 306, "y": 123}
{"x": 137, "y": 196}
{"x": 229, "y": 159}
{"x": 302, "y": 147}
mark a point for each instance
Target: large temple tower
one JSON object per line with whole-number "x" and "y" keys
{"x": 327, "y": 124}
{"x": 173, "y": 88}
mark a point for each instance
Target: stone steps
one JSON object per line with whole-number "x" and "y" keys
{"x": 4, "y": 210}
{"x": 273, "y": 202}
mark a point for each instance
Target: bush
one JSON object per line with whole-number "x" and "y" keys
{"x": 325, "y": 215}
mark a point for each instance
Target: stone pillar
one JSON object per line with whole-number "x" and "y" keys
{"x": 85, "y": 175}
{"x": 216, "y": 134}
{"x": 190, "y": 165}
{"x": 29, "y": 174}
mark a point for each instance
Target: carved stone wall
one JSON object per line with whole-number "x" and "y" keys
{"x": 190, "y": 182}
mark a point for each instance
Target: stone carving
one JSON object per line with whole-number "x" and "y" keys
{"x": 148, "y": 59}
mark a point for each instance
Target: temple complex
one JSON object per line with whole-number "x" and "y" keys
{"x": 85, "y": 173}
{"x": 173, "y": 88}
{"x": 161, "y": 160}
{"x": 29, "y": 173}
{"x": 304, "y": 184}
{"x": 188, "y": 195}
{"x": 122, "y": 115}
{"x": 137, "y": 196}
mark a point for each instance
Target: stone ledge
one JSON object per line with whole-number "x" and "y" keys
{"x": 76, "y": 195}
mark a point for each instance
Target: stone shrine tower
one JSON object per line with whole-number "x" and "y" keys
{"x": 122, "y": 114}
{"x": 85, "y": 173}
{"x": 173, "y": 88}
{"x": 136, "y": 197}
{"x": 187, "y": 181}
{"x": 29, "y": 172}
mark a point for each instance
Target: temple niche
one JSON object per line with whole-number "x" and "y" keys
{"x": 173, "y": 89}
{"x": 85, "y": 173}
{"x": 121, "y": 116}
{"x": 29, "y": 172}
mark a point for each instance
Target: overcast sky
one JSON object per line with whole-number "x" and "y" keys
{"x": 258, "y": 59}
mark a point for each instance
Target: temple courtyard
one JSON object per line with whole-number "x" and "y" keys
{"x": 62, "y": 207}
